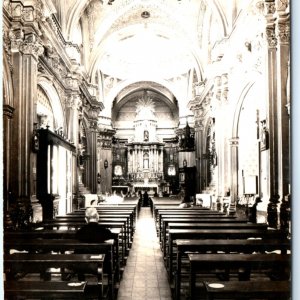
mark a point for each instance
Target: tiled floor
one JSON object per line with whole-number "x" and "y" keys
{"x": 145, "y": 276}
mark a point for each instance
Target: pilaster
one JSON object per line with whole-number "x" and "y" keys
{"x": 199, "y": 151}
{"x": 272, "y": 110}
{"x": 8, "y": 114}
{"x": 25, "y": 49}
{"x": 234, "y": 149}
{"x": 283, "y": 55}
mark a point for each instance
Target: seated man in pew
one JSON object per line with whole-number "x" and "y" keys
{"x": 93, "y": 232}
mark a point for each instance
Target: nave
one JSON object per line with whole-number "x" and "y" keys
{"x": 145, "y": 275}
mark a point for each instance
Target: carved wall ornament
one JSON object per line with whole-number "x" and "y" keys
{"x": 271, "y": 36}
{"x": 269, "y": 7}
{"x": 27, "y": 14}
{"x": 31, "y": 46}
{"x": 7, "y": 5}
{"x": 16, "y": 37}
{"x": 224, "y": 79}
{"x": 283, "y": 30}
{"x": 218, "y": 94}
{"x": 281, "y": 5}
{"x": 225, "y": 94}
{"x": 7, "y": 49}
{"x": 260, "y": 7}
{"x": 16, "y": 10}
{"x": 199, "y": 124}
{"x": 217, "y": 81}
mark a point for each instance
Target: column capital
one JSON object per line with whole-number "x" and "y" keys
{"x": 283, "y": 30}
{"x": 31, "y": 45}
{"x": 73, "y": 101}
{"x": 271, "y": 36}
{"x": 199, "y": 124}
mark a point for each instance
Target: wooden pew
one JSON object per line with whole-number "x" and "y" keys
{"x": 109, "y": 248}
{"x": 103, "y": 212}
{"x": 108, "y": 216}
{"x": 184, "y": 211}
{"x": 75, "y": 223}
{"x": 163, "y": 215}
{"x": 189, "y": 218}
{"x": 224, "y": 245}
{"x": 232, "y": 262}
{"x": 107, "y": 210}
{"x": 42, "y": 238}
{"x": 249, "y": 290}
{"x": 211, "y": 224}
{"x": 175, "y": 234}
{"x": 39, "y": 263}
{"x": 192, "y": 220}
{"x": 44, "y": 289}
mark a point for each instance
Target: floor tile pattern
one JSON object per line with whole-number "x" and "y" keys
{"x": 145, "y": 276}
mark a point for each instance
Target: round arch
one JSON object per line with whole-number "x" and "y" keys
{"x": 118, "y": 88}
{"x": 46, "y": 84}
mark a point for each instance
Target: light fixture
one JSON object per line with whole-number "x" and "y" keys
{"x": 145, "y": 14}
{"x": 184, "y": 162}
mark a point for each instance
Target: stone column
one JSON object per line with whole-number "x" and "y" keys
{"x": 272, "y": 111}
{"x": 283, "y": 50}
{"x": 221, "y": 131}
{"x": 234, "y": 145}
{"x": 25, "y": 48}
{"x": 8, "y": 113}
{"x": 92, "y": 148}
{"x": 198, "y": 150}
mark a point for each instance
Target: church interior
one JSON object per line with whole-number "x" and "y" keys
{"x": 136, "y": 107}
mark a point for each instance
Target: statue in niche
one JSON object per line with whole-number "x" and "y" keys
{"x": 146, "y": 135}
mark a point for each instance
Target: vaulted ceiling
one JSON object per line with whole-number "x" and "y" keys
{"x": 167, "y": 42}
{"x": 143, "y": 38}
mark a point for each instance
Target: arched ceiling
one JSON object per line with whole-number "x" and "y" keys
{"x": 125, "y": 44}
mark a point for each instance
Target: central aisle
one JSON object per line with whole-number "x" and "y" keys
{"x": 145, "y": 276}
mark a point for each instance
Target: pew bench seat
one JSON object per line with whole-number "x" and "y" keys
{"x": 233, "y": 263}
{"x": 44, "y": 289}
{"x": 248, "y": 290}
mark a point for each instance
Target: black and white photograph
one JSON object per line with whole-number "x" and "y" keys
{"x": 147, "y": 150}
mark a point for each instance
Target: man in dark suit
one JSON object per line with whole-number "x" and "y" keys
{"x": 93, "y": 232}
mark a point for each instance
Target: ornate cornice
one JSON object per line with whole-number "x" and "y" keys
{"x": 104, "y": 138}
